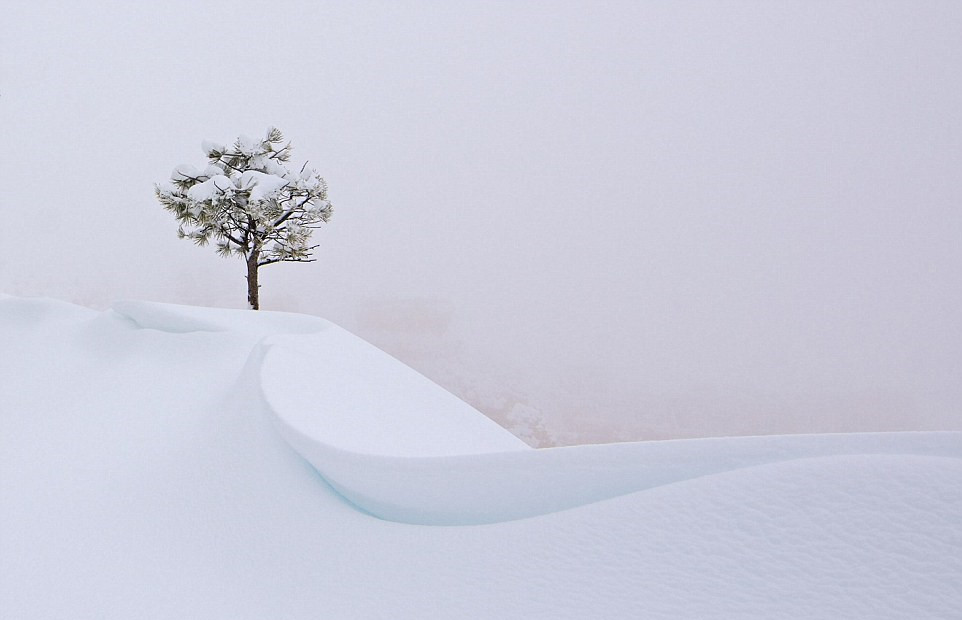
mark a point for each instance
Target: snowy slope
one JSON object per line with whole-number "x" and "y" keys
{"x": 434, "y": 464}
{"x": 152, "y": 465}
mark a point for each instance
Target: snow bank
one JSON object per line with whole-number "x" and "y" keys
{"x": 336, "y": 389}
{"x": 401, "y": 448}
{"x": 353, "y": 434}
{"x": 40, "y": 310}
{"x": 142, "y": 475}
{"x": 173, "y": 318}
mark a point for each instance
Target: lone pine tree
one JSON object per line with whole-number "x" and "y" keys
{"x": 250, "y": 203}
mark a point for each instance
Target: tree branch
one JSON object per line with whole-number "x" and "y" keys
{"x": 291, "y": 211}
{"x": 270, "y": 261}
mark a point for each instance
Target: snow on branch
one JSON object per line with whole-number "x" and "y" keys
{"x": 248, "y": 201}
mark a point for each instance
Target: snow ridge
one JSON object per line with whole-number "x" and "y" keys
{"x": 401, "y": 448}
{"x": 335, "y": 417}
{"x": 143, "y": 475}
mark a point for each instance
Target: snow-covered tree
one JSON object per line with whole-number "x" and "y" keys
{"x": 250, "y": 203}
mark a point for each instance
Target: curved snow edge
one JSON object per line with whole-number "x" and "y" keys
{"x": 498, "y": 487}
{"x": 178, "y": 319}
{"x": 504, "y": 485}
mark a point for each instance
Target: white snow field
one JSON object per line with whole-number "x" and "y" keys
{"x": 163, "y": 461}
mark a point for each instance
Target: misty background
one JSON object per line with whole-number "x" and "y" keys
{"x": 592, "y": 221}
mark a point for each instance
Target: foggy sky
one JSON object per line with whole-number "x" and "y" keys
{"x": 631, "y": 220}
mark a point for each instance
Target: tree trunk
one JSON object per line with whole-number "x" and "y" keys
{"x": 253, "y": 299}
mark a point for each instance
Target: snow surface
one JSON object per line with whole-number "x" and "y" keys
{"x": 147, "y": 471}
{"x": 262, "y": 186}
{"x": 211, "y": 188}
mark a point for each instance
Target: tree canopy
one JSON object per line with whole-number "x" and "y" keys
{"x": 249, "y": 203}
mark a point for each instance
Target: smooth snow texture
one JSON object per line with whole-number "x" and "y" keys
{"x": 337, "y": 389}
{"x": 262, "y": 186}
{"x": 402, "y": 449}
{"x": 142, "y": 476}
{"x": 211, "y": 188}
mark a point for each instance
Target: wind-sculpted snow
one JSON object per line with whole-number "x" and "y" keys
{"x": 401, "y": 448}
{"x": 174, "y": 318}
{"x": 404, "y": 450}
{"x": 142, "y": 475}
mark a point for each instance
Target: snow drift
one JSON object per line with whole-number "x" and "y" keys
{"x": 403, "y": 449}
{"x": 146, "y": 471}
